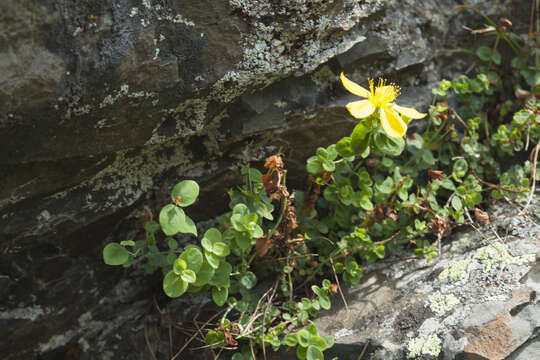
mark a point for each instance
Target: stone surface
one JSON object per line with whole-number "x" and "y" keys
{"x": 477, "y": 301}
{"x": 105, "y": 105}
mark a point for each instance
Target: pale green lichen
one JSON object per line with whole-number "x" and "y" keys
{"x": 440, "y": 304}
{"x": 497, "y": 254}
{"x": 455, "y": 271}
{"x": 430, "y": 345}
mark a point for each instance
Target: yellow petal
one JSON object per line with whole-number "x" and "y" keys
{"x": 407, "y": 111}
{"x": 354, "y": 87}
{"x": 392, "y": 123}
{"x": 361, "y": 109}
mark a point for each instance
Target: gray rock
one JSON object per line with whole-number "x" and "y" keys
{"x": 105, "y": 105}
{"x": 474, "y": 302}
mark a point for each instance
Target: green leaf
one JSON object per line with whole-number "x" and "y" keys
{"x": 314, "y": 165}
{"x": 313, "y": 353}
{"x": 496, "y": 57}
{"x": 360, "y": 138}
{"x": 248, "y": 280}
{"x": 290, "y": 340}
{"x": 212, "y": 259}
{"x": 221, "y": 249}
{"x": 173, "y": 244}
{"x": 257, "y": 232}
{"x": 179, "y": 266}
{"x": 318, "y": 342}
{"x": 220, "y": 295}
{"x": 243, "y": 240}
{"x": 185, "y": 193}
{"x": 456, "y": 203}
{"x": 460, "y": 168}
{"x": 173, "y": 285}
{"x": 188, "y": 226}
{"x": 193, "y": 257}
{"x": 325, "y": 303}
{"x": 301, "y": 352}
{"x": 484, "y": 53}
{"x": 215, "y": 339}
{"x": 171, "y": 219}
{"x": 222, "y": 275}
{"x": 188, "y": 276}
{"x": 204, "y": 274}
{"x": 151, "y": 226}
{"x": 115, "y": 254}
{"x": 389, "y": 145}
{"x": 328, "y": 165}
{"x": 127, "y": 243}
{"x": 448, "y": 184}
{"x": 329, "y": 341}
{"x": 343, "y": 147}
{"x": 303, "y": 337}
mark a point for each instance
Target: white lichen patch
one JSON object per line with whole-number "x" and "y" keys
{"x": 441, "y": 304}
{"x": 430, "y": 345}
{"x": 27, "y": 313}
{"x": 497, "y": 254}
{"x": 455, "y": 271}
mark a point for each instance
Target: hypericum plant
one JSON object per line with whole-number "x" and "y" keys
{"x": 269, "y": 260}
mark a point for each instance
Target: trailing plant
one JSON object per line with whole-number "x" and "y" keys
{"x": 269, "y": 261}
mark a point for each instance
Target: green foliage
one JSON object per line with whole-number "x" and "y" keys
{"x": 269, "y": 258}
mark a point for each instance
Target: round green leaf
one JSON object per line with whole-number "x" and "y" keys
{"x": 215, "y": 339}
{"x": 248, "y": 280}
{"x": 219, "y": 295}
{"x": 243, "y": 240}
{"x": 212, "y": 259}
{"x": 151, "y": 226}
{"x": 484, "y": 53}
{"x": 460, "y": 168}
{"x": 343, "y": 147}
{"x": 193, "y": 257}
{"x": 314, "y": 353}
{"x": 188, "y": 276}
{"x": 257, "y": 232}
{"x": 212, "y": 235}
{"x": 204, "y": 274}
{"x": 115, "y": 254}
{"x": 324, "y": 301}
{"x": 171, "y": 219}
{"x": 222, "y": 274}
{"x": 290, "y": 340}
{"x": 389, "y": 145}
{"x": 173, "y": 244}
{"x": 318, "y": 342}
{"x": 173, "y": 285}
{"x": 179, "y": 266}
{"x": 301, "y": 352}
{"x": 303, "y": 337}
{"x": 221, "y": 249}
{"x": 185, "y": 193}
{"x": 188, "y": 226}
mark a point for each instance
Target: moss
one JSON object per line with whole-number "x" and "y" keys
{"x": 430, "y": 345}
{"x": 497, "y": 254}
{"x": 440, "y": 304}
{"x": 455, "y": 271}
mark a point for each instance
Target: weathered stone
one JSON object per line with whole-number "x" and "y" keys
{"x": 105, "y": 105}
{"x": 478, "y": 301}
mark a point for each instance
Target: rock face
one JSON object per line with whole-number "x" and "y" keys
{"x": 105, "y": 105}
{"x": 478, "y": 301}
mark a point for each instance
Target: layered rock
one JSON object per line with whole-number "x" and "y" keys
{"x": 104, "y": 106}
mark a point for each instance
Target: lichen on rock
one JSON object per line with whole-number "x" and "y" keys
{"x": 430, "y": 345}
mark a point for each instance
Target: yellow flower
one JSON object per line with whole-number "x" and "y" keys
{"x": 380, "y": 99}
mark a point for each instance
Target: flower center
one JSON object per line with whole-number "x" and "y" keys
{"x": 383, "y": 93}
